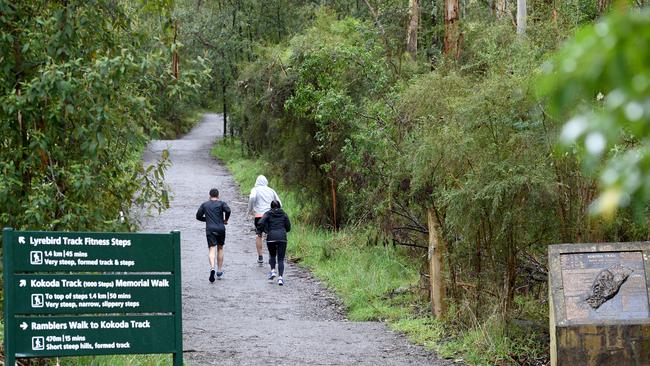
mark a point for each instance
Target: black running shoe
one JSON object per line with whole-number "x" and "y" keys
{"x": 211, "y": 275}
{"x": 260, "y": 260}
{"x": 219, "y": 275}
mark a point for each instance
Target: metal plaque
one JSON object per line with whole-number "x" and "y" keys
{"x": 615, "y": 281}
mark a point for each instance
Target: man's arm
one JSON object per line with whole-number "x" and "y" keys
{"x": 251, "y": 202}
{"x": 226, "y": 212}
{"x": 200, "y": 214}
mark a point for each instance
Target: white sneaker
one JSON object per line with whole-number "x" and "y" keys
{"x": 280, "y": 281}
{"x": 271, "y": 275}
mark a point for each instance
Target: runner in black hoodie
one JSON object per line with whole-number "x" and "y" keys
{"x": 275, "y": 223}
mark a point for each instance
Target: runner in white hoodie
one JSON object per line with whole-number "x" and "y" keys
{"x": 259, "y": 202}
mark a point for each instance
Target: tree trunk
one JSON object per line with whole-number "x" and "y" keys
{"x": 452, "y": 29}
{"x": 279, "y": 23}
{"x": 478, "y": 267}
{"x": 412, "y": 31}
{"x": 500, "y": 8}
{"x": 175, "y": 58}
{"x": 521, "y": 17}
{"x": 603, "y": 6}
{"x": 510, "y": 277}
{"x": 225, "y": 106}
{"x": 436, "y": 248}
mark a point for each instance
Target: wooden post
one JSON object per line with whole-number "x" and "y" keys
{"x": 333, "y": 204}
{"x": 436, "y": 248}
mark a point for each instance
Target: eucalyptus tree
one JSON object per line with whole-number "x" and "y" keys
{"x": 452, "y": 28}
{"x": 521, "y": 16}
{"x": 412, "y": 29}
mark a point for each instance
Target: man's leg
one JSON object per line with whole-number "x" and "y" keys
{"x": 219, "y": 258}
{"x": 211, "y": 259}
{"x": 258, "y": 244}
{"x": 211, "y": 256}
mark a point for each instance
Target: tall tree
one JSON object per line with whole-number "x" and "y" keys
{"x": 412, "y": 31}
{"x": 521, "y": 17}
{"x": 452, "y": 28}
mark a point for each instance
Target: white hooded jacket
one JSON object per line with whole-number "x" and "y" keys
{"x": 261, "y": 197}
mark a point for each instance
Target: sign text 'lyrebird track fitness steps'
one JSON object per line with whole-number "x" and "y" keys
{"x": 91, "y": 294}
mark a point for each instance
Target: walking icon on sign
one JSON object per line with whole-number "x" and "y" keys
{"x": 36, "y": 257}
{"x": 38, "y": 343}
{"x": 37, "y": 300}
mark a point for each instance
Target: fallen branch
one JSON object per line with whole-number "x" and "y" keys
{"x": 414, "y": 245}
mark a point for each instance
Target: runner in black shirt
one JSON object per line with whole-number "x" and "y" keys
{"x": 215, "y": 214}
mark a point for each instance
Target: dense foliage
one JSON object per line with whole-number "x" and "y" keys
{"x": 610, "y": 99}
{"x": 84, "y": 86}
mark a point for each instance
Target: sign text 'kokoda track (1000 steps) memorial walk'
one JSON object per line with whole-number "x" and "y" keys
{"x": 77, "y": 293}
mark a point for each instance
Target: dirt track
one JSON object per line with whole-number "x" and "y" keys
{"x": 245, "y": 319}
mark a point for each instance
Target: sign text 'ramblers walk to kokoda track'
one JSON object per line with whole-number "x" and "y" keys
{"x": 91, "y": 294}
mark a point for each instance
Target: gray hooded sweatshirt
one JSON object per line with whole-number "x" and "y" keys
{"x": 261, "y": 196}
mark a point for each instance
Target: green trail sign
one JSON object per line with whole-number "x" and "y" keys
{"x": 94, "y": 335}
{"x": 82, "y": 293}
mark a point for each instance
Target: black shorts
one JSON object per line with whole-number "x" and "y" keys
{"x": 215, "y": 238}
{"x": 257, "y": 221}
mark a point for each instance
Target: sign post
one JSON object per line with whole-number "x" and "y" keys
{"x": 82, "y": 293}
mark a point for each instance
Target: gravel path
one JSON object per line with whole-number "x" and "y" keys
{"x": 245, "y": 319}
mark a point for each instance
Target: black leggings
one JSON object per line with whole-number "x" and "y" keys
{"x": 279, "y": 249}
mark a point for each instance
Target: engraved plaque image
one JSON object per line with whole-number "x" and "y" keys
{"x": 604, "y": 286}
